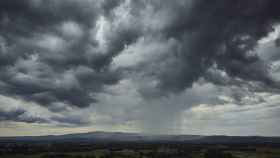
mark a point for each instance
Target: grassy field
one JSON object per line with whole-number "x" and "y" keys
{"x": 127, "y": 153}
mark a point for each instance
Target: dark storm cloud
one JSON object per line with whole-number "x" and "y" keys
{"x": 25, "y": 116}
{"x": 109, "y": 5}
{"x": 58, "y": 69}
{"x": 42, "y": 64}
{"x": 220, "y": 33}
{"x": 24, "y": 16}
{"x": 19, "y": 115}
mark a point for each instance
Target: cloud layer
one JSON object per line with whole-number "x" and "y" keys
{"x": 80, "y": 59}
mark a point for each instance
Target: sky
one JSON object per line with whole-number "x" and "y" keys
{"x": 148, "y": 66}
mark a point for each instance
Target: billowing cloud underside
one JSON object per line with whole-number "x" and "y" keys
{"x": 68, "y": 51}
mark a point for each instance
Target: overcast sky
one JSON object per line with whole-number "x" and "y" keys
{"x": 153, "y": 66}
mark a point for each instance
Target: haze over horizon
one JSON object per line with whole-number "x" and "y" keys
{"x": 145, "y": 66}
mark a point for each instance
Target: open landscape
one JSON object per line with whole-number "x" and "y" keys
{"x": 139, "y": 78}
{"x": 132, "y": 145}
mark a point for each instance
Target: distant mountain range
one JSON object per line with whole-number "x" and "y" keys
{"x": 137, "y": 137}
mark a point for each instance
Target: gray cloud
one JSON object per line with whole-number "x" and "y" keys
{"x": 70, "y": 121}
{"x": 220, "y": 33}
{"x": 19, "y": 115}
{"x": 206, "y": 35}
{"x": 39, "y": 64}
{"x": 66, "y": 53}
